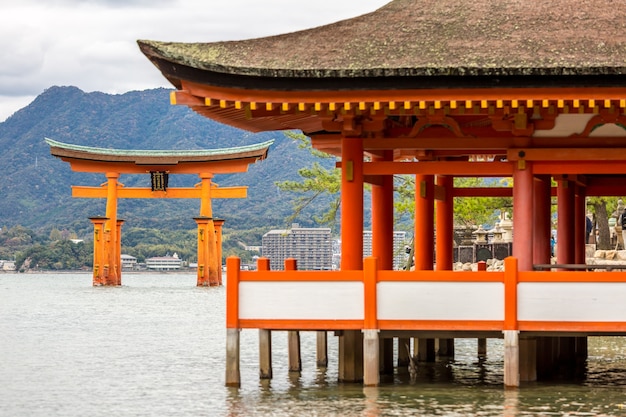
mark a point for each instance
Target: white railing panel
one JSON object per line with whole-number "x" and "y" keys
{"x": 440, "y": 301}
{"x": 571, "y": 301}
{"x": 292, "y": 300}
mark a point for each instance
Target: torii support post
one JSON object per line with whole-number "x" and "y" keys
{"x": 112, "y": 269}
{"x": 98, "y": 249}
{"x": 218, "y": 223}
{"x": 210, "y": 240}
{"x": 204, "y": 241}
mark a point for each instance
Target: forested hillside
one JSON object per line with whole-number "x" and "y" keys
{"x": 35, "y": 188}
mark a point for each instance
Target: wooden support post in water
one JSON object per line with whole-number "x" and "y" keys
{"x": 528, "y": 359}
{"x": 233, "y": 374}
{"x": 426, "y": 350}
{"x": 445, "y": 348}
{"x": 322, "y": 349}
{"x": 386, "y": 356}
{"x": 371, "y": 373}
{"x": 265, "y": 354}
{"x": 295, "y": 361}
{"x": 403, "y": 354}
{"x": 482, "y": 347}
{"x": 293, "y": 336}
{"x": 511, "y": 358}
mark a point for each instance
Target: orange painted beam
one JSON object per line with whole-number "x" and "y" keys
{"x": 218, "y": 167}
{"x": 180, "y": 192}
{"x": 523, "y": 95}
{"x": 455, "y": 168}
{"x": 567, "y": 154}
{"x": 580, "y": 167}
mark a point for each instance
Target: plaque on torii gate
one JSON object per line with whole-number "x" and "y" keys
{"x": 159, "y": 164}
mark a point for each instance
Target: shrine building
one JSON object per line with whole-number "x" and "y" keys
{"x": 436, "y": 89}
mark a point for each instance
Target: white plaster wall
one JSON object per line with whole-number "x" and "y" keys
{"x": 293, "y": 300}
{"x": 558, "y": 301}
{"x": 441, "y": 301}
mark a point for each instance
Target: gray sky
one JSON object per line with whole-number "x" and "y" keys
{"x": 91, "y": 44}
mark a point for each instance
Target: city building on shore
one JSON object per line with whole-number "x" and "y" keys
{"x": 129, "y": 262}
{"x": 164, "y": 263}
{"x": 311, "y": 247}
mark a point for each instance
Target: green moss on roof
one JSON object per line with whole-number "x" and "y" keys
{"x": 158, "y": 153}
{"x": 430, "y": 38}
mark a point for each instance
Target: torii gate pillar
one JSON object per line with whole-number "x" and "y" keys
{"x": 99, "y": 242}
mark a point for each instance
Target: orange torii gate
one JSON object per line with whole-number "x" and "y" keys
{"x": 159, "y": 164}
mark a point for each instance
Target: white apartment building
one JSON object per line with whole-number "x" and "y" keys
{"x": 311, "y": 247}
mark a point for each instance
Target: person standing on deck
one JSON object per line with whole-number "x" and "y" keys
{"x": 588, "y": 228}
{"x": 622, "y": 222}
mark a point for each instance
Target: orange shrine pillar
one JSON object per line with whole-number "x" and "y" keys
{"x": 382, "y": 218}
{"x": 424, "y": 226}
{"x": 565, "y": 222}
{"x": 424, "y": 247}
{"x": 98, "y": 249}
{"x": 118, "y": 248}
{"x": 351, "y": 204}
{"x": 382, "y": 244}
{"x": 542, "y": 219}
{"x": 580, "y": 229}
{"x": 523, "y": 215}
{"x": 209, "y": 242}
{"x": 218, "y": 223}
{"x": 112, "y": 267}
{"x": 350, "y": 344}
{"x": 444, "y": 229}
{"x": 203, "y": 238}
{"x": 444, "y": 223}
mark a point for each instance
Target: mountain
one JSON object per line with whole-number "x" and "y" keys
{"x": 35, "y": 187}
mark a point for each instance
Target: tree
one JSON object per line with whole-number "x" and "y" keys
{"x": 316, "y": 181}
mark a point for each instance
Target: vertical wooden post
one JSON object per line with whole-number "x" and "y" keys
{"x": 293, "y": 336}
{"x": 233, "y": 374}
{"x": 566, "y": 224}
{"x": 482, "y": 347}
{"x": 511, "y": 333}
{"x": 98, "y": 250}
{"x": 322, "y": 348}
{"x": 580, "y": 233}
{"x": 444, "y": 206}
{"x": 542, "y": 219}
{"x": 371, "y": 347}
{"x": 112, "y": 264}
{"x": 265, "y": 354}
{"x": 203, "y": 238}
{"x": 206, "y": 210}
{"x": 265, "y": 335}
{"x": 118, "y": 251}
{"x": 403, "y": 354}
{"x": 382, "y": 218}
{"x": 528, "y": 359}
{"x": 218, "y": 232}
{"x": 445, "y": 222}
{"x": 350, "y": 341}
{"x": 522, "y": 214}
{"x": 351, "y": 204}
{"x": 424, "y": 227}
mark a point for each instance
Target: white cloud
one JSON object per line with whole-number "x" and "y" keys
{"x": 91, "y": 44}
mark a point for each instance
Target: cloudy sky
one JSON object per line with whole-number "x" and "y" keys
{"x": 91, "y": 44}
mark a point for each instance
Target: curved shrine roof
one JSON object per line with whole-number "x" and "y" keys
{"x": 157, "y": 157}
{"x": 419, "y": 38}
